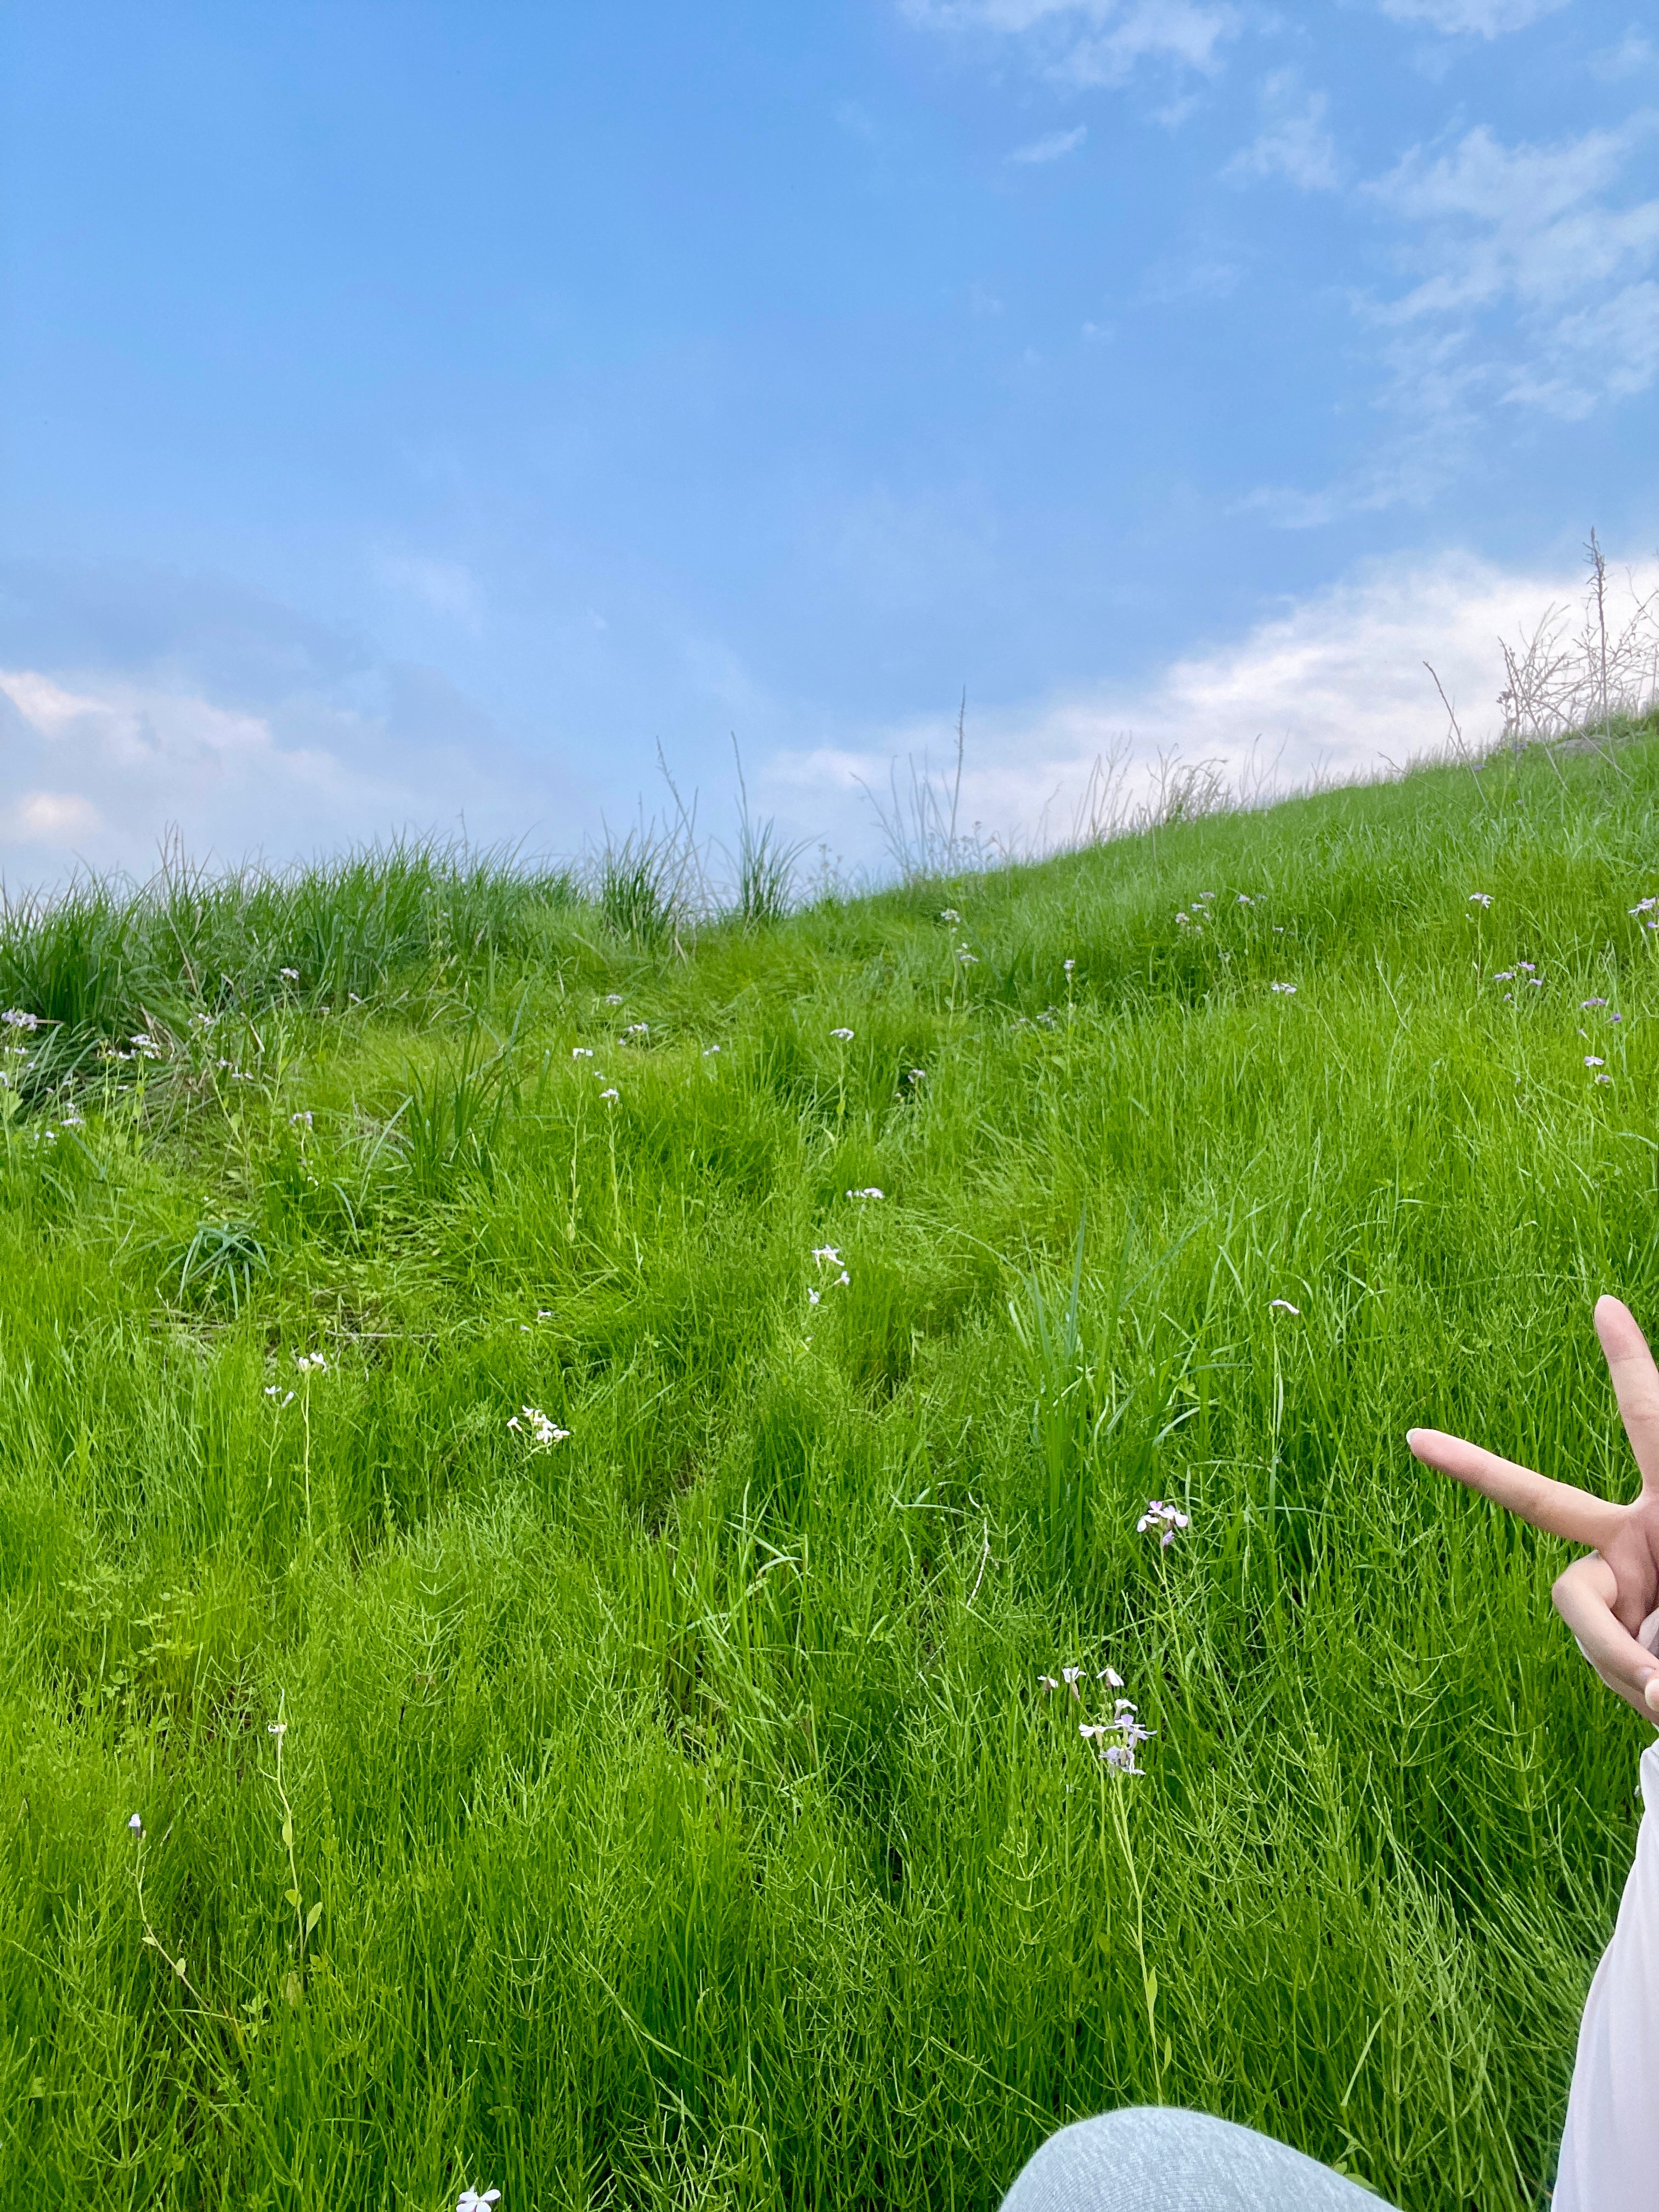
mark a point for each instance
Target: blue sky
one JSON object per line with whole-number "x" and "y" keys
{"x": 412, "y": 412}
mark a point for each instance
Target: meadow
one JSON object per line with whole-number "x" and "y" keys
{"x": 546, "y": 1455}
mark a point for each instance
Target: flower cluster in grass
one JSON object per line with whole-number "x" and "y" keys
{"x": 1114, "y": 1740}
{"x": 538, "y": 1431}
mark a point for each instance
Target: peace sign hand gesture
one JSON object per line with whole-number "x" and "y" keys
{"x": 1610, "y": 1600}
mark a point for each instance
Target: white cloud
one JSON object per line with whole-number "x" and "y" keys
{"x": 1526, "y": 221}
{"x": 1055, "y": 148}
{"x": 56, "y": 819}
{"x": 1335, "y": 686}
{"x": 96, "y": 768}
{"x": 1481, "y": 19}
{"x": 1293, "y": 142}
{"x": 1093, "y": 42}
{"x": 134, "y": 701}
{"x": 1532, "y": 277}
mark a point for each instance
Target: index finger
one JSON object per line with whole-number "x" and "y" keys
{"x": 1558, "y": 1507}
{"x": 1635, "y": 1382}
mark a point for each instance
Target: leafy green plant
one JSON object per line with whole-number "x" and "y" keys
{"x": 219, "y": 1262}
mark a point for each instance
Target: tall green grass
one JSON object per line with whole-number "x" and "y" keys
{"x": 689, "y": 1821}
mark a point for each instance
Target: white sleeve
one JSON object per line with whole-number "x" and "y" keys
{"x": 1610, "y": 2149}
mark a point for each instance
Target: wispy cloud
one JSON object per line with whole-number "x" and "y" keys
{"x": 1055, "y": 148}
{"x": 445, "y": 587}
{"x": 1205, "y": 276}
{"x": 1481, "y": 19}
{"x": 1627, "y": 57}
{"x": 1293, "y": 142}
{"x": 1529, "y": 249}
{"x": 1093, "y": 42}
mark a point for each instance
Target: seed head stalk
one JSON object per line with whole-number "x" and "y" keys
{"x": 178, "y": 1967}
{"x": 576, "y": 1157}
{"x": 1113, "y": 1786}
{"x": 304, "y": 1922}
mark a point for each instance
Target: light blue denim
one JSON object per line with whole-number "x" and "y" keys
{"x": 1152, "y": 2158}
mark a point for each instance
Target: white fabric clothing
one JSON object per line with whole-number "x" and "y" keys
{"x": 1610, "y": 2147}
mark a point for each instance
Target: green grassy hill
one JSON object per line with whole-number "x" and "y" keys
{"x": 547, "y": 1470}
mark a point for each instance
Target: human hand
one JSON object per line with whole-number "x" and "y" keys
{"x": 1610, "y": 1600}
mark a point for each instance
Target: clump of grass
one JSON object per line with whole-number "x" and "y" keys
{"x": 661, "y": 1541}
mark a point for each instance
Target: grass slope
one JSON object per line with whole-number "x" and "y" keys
{"x": 688, "y": 1821}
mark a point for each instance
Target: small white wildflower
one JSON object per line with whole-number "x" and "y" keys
{"x": 477, "y": 2200}
{"x": 1072, "y": 1676}
{"x": 1287, "y": 990}
{"x": 845, "y": 1035}
{"x": 278, "y": 1728}
{"x": 1183, "y": 918}
{"x": 1121, "y": 1756}
{"x": 544, "y": 1433}
{"x": 842, "y": 1279}
{"x": 1203, "y": 896}
{"x": 288, "y": 975}
{"x": 1537, "y": 982}
{"x": 1527, "y": 967}
{"x": 1644, "y": 906}
{"x": 1244, "y": 899}
{"x": 870, "y": 1193}
{"x": 613, "y": 997}
{"x": 136, "y": 1824}
{"x": 639, "y": 1029}
{"x": 826, "y": 1255}
{"x": 1168, "y": 1518}
{"x": 310, "y": 1363}
{"x": 915, "y": 1075}
{"x": 613, "y": 1096}
{"x": 1068, "y": 965}
{"x": 1592, "y": 1002}
{"x": 709, "y": 1050}
{"x": 1591, "y": 1060}
{"x": 1284, "y": 1305}
{"x": 1047, "y": 1681}
{"x": 811, "y": 1296}
{"x": 1604, "y": 1078}
{"x": 581, "y": 1052}
{"x": 950, "y": 913}
{"x": 1504, "y": 975}
{"x": 15, "y": 1018}
{"x": 1479, "y": 898}
{"x": 299, "y": 1121}
{"x": 967, "y": 959}
{"x": 1111, "y": 1678}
